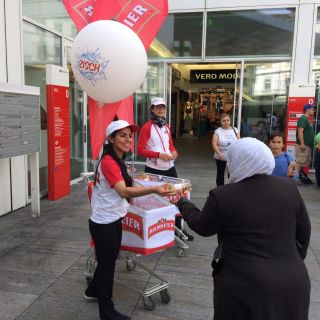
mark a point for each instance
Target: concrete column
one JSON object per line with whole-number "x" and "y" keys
{"x": 14, "y": 48}
{"x": 5, "y": 191}
{"x": 303, "y": 49}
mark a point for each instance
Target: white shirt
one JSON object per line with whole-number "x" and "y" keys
{"x": 225, "y": 138}
{"x": 107, "y": 206}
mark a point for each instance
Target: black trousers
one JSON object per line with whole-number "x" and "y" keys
{"x": 317, "y": 166}
{"x": 107, "y": 241}
{"x": 221, "y": 168}
{"x": 172, "y": 172}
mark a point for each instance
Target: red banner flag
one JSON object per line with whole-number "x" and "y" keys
{"x": 80, "y": 11}
{"x": 100, "y": 116}
{"x": 144, "y": 17}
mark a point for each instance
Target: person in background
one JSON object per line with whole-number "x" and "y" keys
{"x": 156, "y": 145}
{"x": 264, "y": 230}
{"x": 285, "y": 165}
{"x": 112, "y": 188}
{"x": 222, "y": 138}
{"x": 317, "y": 157}
{"x": 304, "y": 143}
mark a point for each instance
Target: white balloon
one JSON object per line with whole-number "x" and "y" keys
{"x": 108, "y": 60}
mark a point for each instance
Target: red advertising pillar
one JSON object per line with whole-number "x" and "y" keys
{"x": 58, "y": 119}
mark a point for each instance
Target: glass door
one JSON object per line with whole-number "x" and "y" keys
{"x": 78, "y": 123}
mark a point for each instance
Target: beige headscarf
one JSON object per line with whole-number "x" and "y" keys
{"x": 247, "y": 157}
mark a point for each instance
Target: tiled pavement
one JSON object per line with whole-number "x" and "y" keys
{"x": 42, "y": 261}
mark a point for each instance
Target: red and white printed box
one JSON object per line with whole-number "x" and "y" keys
{"x": 149, "y": 225}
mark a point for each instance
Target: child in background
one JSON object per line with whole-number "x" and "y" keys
{"x": 285, "y": 163}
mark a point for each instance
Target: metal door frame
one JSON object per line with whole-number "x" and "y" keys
{"x": 68, "y": 44}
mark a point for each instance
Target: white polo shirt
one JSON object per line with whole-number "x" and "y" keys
{"x": 107, "y": 206}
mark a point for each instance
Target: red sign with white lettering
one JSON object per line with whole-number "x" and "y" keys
{"x": 58, "y": 120}
{"x": 295, "y": 111}
{"x": 134, "y": 224}
{"x": 161, "y": 225}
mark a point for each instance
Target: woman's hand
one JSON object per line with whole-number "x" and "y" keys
{"x": 163, "y": 190}
{"x": 165, "y": 157}
{"x": 220, "y": 157}
{"x": 174, "y": 154}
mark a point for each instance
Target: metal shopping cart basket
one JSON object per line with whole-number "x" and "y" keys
{"x": 184, "y": 185}
{"x": 147, "y": 228}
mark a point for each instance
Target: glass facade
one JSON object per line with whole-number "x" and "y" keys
{"x": 266, "y": 32}
{"x": 153, "y": 86}
{"x": 76, "y": 123}
{"x": 40, "y": 47}
{"x": 264, "y": 98}
{"x": 50, "y": 13}
{"x": 180, "y": 36}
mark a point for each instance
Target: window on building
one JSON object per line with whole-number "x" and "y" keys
{"x": 50, "y": 13}
{"x": 267, "y": 84}
{"x": 267, "y": 32}
{"x": 180, "y": 36}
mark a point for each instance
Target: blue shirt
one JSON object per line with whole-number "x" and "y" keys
{"x": 282, "y": 162}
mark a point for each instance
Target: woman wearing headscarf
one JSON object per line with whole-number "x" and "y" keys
{"x": 263, "y": 229}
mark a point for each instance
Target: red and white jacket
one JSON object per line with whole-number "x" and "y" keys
{"x": 154, "y": 140}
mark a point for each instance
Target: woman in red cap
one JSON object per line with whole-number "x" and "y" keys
{"x": 113, "y": 186}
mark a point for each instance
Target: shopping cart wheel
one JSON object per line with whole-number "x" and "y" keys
{"x": 131, "y": 265}
{"x": 165, "y": 296}
{"x": 148, "y": 303}
{"x": 181, "y": 253}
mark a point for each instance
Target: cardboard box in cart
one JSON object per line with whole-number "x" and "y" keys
{"x": 149, "y": 225}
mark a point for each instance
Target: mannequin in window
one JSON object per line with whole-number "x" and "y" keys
{"x": 188, "y": 117}
{"x": 220, "y": 105}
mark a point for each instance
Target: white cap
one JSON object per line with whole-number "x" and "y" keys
{"x": 118, "y": 125}
{"x": 157, "y": 101}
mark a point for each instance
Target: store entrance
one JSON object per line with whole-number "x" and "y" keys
{"x": 200, "y": 94}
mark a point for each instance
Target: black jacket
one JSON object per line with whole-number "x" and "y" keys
{"x": 260, "y": 220}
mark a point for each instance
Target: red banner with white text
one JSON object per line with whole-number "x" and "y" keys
{"x": 143, "y": 17}
{"x": 80, "y": 11}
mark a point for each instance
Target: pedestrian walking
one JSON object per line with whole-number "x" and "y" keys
{"x": 222, "y": 138}
{"x": 263, "y": 230}
{"x": 304, "y": 143}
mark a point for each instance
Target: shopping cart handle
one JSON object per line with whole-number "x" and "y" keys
{"x": 87, "y": 176}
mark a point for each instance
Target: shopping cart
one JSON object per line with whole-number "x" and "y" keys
{"x": 183, "y": 185}
{"x": 147, "y": 228}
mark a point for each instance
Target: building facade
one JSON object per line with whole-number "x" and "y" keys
{"x": 266, "y": 46}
